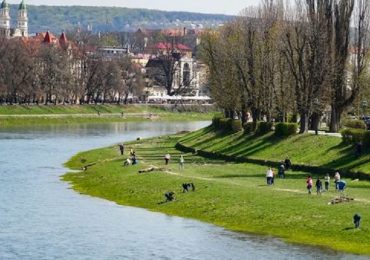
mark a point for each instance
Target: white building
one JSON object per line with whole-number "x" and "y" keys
{"x": 21, "y": 29}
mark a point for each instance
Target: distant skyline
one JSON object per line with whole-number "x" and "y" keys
{"x": 231, "y": 7}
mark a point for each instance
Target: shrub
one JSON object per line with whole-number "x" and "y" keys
{"x": 356, "y": 124}
{"x": 352, "y": 136}
{"x": 249, "y": 128}
{"x": 264, "y": 128}
{"x": 286, "y": 129}
{"x": 225, "y": 124}
{"x": 366, "y": 140}
{"x": 216, "y": 121}
{"x": 236, "y": 126}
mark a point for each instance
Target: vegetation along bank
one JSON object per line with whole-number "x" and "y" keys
{"x": 36, "y": 115}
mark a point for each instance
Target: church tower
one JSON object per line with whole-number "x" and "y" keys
{"x": 22, "y": 21}
{"x": 4, "y": 19}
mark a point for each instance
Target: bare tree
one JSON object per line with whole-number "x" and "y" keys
{"x": 341, "y": 98}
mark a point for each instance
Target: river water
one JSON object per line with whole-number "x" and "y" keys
{"x": 42, "y": 218}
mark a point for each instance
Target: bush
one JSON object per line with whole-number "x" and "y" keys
{"x": 353, "y": 136}
{"x": 225, "y": 124}
{"x": 249, "y": 128}
{"x": 216, "y": 121}
{"x": 264, "y": 128}
{"x": 236, "y": 126}
{"x": 355, "y": 124}
{"x": 286, "y": 129}
{"x": 366, "y": 140}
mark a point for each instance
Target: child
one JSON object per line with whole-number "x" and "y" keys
{"x": 356, "y": 220}
{"x": 281, "y": 171}
{"x": 318, "y": 186}
{"x": 309, "y": 184}
{"x": 181, "y": 162}
{"x": 327, "y": 181}
{"x": 336, "y": 179}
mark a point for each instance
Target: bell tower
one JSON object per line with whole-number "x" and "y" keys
{"x": 22, "y": 20}
{"x": 4, "y": 19}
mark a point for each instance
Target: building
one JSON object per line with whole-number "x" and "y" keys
{"x": 175, "y": 62}
{"x": 21, "y": 29}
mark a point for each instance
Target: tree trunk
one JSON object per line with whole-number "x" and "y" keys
{"x": 256, "y": 116}
{"x": 336, "y": 114}
{"x": 303, "y": 128}
{"x": 315, "y": 121}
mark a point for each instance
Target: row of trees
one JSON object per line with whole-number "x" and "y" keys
{"x": 50, "y": 73}
{"x": 279, "y": 60}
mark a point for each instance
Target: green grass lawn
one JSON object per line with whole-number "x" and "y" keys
{"x": 231, "y": 195}
{"x": 308, "y": 149}
{"x": 74, "y": 109}
{"x": 46, "y": 115}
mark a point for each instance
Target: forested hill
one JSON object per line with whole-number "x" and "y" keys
{"x": 58, "y": 18}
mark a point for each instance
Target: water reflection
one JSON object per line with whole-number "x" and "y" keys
{"x": 42, "y": 218}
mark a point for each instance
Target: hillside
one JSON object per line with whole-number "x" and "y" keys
{"x": 58, "y": 18}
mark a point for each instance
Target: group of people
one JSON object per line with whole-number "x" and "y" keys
{"x": 270, "y": 174}
{"x": 129, "y": 161}
{"x": 167, "y": 158}
{"x": 339, "y": 184}
{"x": 133, "y": 160}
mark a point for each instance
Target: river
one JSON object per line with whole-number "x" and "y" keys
{"x": 42, "y": 218}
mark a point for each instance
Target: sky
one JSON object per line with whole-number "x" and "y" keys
{"x": 202, "y": 6}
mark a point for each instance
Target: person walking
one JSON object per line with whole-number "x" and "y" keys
{"x": 121, "y": 148}
{"x": 181, "y": 162}
{"x": 336, "y": 179}
{"x": 269, "y": 176}
{"x": 327, "y": 181}
{"x": 356, "y": 220}
{"x": 318, "y": 186}
{"x": 167, "y": 158}
{"x": 281, "y": 171}
{"x": 309, "y": 183}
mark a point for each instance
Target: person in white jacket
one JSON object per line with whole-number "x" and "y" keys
{"x": 269, "y": 176}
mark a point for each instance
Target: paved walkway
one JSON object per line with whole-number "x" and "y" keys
{"x": 326, "y": 133}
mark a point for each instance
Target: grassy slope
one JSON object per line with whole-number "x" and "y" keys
{"x": 78, "y": 109}
{"x": 306, "y": 149}
{"x": 230, "y": 195}
{"x": 31, "y": 115}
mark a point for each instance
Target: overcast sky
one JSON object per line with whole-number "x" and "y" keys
{"x": 202, "y": 6}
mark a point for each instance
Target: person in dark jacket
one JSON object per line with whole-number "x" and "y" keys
{"x": 356, "y": 220}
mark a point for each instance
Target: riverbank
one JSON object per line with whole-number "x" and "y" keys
{"x": 231, "y": 195}
{"x": 44, "y": 115}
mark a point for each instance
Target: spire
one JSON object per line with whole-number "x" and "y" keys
{"x": 4, "y": 5}
{"x": 63, "y": 41}
{"x": 63, "y": 38}
{"x": 22, "y": 6}
{"x": 47, "y": 38}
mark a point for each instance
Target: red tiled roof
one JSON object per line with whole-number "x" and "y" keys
{"x": 167, "y": 46}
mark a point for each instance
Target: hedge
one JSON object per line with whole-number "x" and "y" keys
{"x": 236, "y": 126}
{"x": 356, "y": 124}
{"x": 216, "y": 121}
{"x": 225, "y": 124}
{"x": 286, "y": 129}
{"x": 248, "y": 128}
{"x": 353, "y": 136}
{"x": 264, "y": 128}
